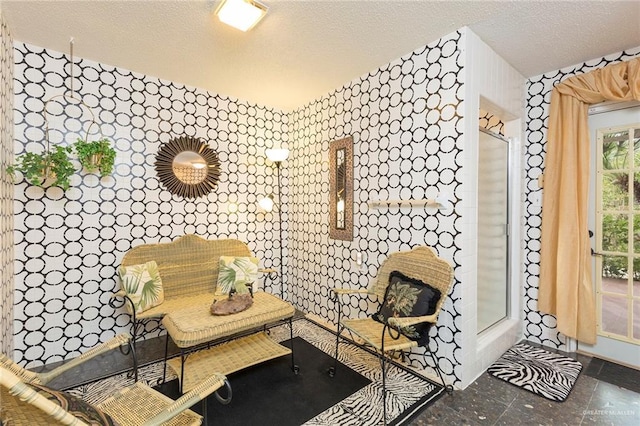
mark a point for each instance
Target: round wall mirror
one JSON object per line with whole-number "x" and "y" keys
{"x": 188, "y": 167}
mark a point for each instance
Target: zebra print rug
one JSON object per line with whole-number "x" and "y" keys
{"x": 408, "y": 393}
{"x": 549, "y": 375}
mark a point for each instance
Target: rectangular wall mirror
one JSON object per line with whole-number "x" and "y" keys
{"x": 341, "y": 189}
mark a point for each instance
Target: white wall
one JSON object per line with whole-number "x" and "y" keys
{"x": 493, "y": 85}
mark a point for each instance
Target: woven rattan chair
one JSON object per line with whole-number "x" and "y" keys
{"x": 26, "y": 401}
{"x": 28, "y": 405}
{"x": 384, "y": 339}
{"x": 44, "y": 378}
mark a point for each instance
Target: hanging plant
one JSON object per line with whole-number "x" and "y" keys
{"x": 37, "y": 169}
{"x": 96, "y": 156}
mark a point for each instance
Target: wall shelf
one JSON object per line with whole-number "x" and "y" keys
{"x": 441, "y": 202}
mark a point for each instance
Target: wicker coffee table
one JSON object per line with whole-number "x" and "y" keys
{"x": 192, "y": 328}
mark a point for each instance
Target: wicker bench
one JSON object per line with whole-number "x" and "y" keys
{"x": 189, "y": 269}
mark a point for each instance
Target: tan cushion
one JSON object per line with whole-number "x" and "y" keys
{"x": 195, "y": 324}
{"x": 170, "y": 305}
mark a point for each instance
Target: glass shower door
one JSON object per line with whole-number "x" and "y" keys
{"x": 493, "y": 229}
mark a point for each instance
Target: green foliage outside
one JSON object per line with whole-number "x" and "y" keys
{"x": 615, "y": 196}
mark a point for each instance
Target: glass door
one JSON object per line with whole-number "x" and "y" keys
{"x": 493, "y": 230}
{"x": 616, "y": 220}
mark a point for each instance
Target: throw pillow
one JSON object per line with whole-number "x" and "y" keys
{"x": 77, "y": 407}
{"x": 142, "y": 284}
{"x": 409, "y": 297}
{"x": 236, "y": 273}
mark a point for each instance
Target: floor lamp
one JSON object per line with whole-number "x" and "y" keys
{"x": 276, "y": 156}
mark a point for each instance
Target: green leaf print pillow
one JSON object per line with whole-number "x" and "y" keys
{"x": 142, "y": 284}
{"x": 236, "y": 273}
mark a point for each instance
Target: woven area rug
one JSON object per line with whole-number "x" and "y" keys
{"x": 407, "y": 392}
{"x": 544, "y": 373}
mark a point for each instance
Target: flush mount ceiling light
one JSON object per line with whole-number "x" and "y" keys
{"x": 241, "y": 14}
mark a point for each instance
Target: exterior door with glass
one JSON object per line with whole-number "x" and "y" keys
{"x": 615, "y": 220}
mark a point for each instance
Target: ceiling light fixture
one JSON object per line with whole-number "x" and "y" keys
{"x": 241, "y": 14}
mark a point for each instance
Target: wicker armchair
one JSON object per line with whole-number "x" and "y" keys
{"x": 384, "y": 338}
{"x": 26, "y": 401}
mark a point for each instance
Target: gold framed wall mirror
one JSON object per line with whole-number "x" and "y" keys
{"x": 341, "y": 189}
{"x": 188, "y": 167}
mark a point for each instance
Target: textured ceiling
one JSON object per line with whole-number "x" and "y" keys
{"x": 304, "y": 49}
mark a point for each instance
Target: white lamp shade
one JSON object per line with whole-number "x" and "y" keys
{"x": 241, "y": 14}
{"x": 277, "y": 154}
{"x": 266, "y": 204}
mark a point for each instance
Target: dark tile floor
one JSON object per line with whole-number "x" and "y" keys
{"x": 593, "y": 401}
{"x": 602, "y": 395}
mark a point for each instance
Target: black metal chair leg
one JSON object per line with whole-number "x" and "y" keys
{"x": 294, "y": 367}
{"x": 166, "y": 356}
{"x": 182, "y": 361}
{"x": 134, "y": 356}
{"x": 332, "y": 369}
{"x": 384, "y": 388}
{"x": 436, "y": 367}
{"x": 383, "y": 362}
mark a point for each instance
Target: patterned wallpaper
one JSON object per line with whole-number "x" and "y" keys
{"x": 491, "y": 122}
{"x": 405, "y": 121}
{"x": 406, "y": 126}
{"x": 6, "y": 189}
{"x": 68, "y": 244}
{"x": 540, "y": 327}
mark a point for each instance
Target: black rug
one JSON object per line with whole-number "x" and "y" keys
{"x": 271, "y": 394}
{"x": 544, "y": 373}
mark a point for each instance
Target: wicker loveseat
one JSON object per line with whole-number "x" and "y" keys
{"x": 189, "y": 267}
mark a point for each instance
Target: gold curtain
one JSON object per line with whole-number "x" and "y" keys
{"x": 565, "y": 288}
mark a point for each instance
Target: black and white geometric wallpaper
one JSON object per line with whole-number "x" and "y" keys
{"x": 491, "y": 122}
{"x": 6, "y": 189}
{"x": 540, "y": 327}
{"x": 406, "y": 125}
{"x": 406, "y": 122}
{"x": 69, "y": 244}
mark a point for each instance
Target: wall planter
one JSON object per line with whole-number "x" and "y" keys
{"x": 96, "y": 155}
{"x": 38, "y": 169}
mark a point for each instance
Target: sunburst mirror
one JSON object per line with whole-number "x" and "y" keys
{"x": 188, "y": 167}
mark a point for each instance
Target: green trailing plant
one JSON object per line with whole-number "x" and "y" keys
{"x": 96, "y": 155}
{"x": 38, "y": 168}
